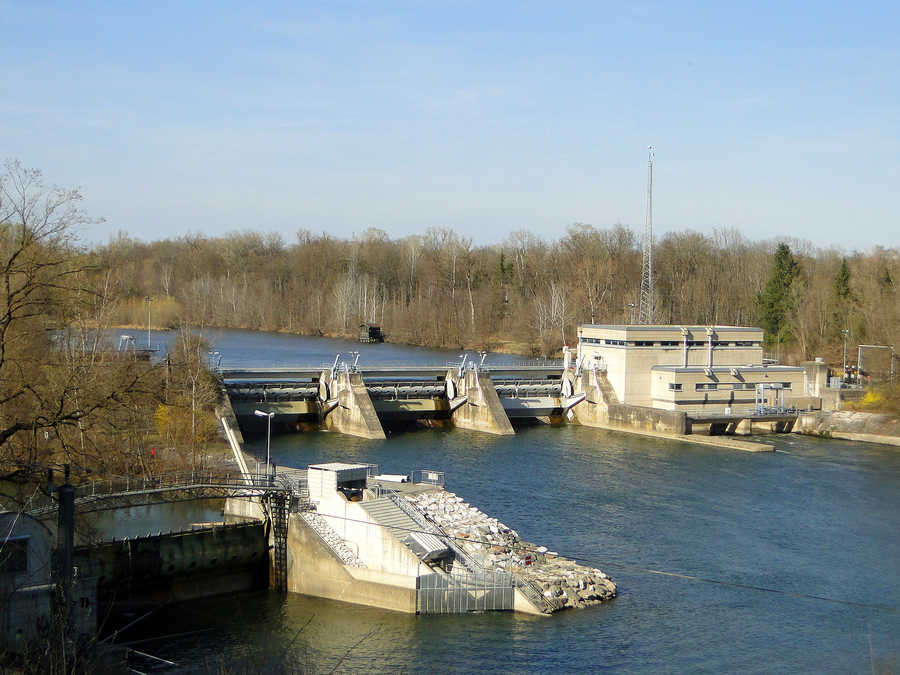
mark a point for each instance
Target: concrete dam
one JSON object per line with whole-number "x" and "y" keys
{"x": 363, "y": 402}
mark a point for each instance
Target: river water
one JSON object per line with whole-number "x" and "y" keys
{"x": 725, "y": 560}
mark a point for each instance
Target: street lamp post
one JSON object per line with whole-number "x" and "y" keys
{"x": 844, "y": 334}
{"x": 269, "y": 416}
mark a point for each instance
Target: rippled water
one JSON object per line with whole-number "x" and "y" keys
{"x": 767, "y": 531}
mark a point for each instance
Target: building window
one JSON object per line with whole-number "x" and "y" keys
{"x": 696, "y": 343}
{"x": 743, "y": 343}
{"x": 643, "y": 343}
{"x": 620, "y": 343}
{"x": 706, "y": 386}
{"x": 669, "y": 343}
{"x": 785, "y": 385}
{"x": 720, "y": 343}
{"x": 674, "y": 386}
{"x": 14, "y": 556}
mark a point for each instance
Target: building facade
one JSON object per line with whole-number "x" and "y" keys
{"x": 692, "y": 369}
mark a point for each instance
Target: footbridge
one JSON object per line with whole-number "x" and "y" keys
{"x": 274, "y": 496}
{"x": 363, "y": 401}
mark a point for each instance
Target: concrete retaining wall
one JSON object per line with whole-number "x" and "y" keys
{"x": 179, "y": 566}
{"x": 314, "y": 570}
{"x": 601, "y": 408}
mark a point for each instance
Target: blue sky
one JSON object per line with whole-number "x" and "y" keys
{"x": 778, "y": 119}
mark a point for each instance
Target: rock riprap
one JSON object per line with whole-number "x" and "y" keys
{"x": 563, "y": 582}
{"x": 332, "y": 539}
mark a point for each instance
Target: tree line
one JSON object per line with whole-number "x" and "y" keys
{"x": 527, "y": 294}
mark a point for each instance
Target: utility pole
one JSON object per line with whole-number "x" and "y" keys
{"x": 645, "y": 315}
{"x": 65, "y": 542}
{"x": 148, "y": 299}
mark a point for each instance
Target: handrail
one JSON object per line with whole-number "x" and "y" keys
{"x": 433, "y": 528}
{"x": 194, "y": 480}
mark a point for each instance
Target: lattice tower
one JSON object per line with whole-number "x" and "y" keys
{"x": 646, "y": 308}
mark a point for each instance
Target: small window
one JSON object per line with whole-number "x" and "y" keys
{"x": 743, "y": 343}
{"x": 14, "y": 556}
{"x": 669, "y": 343}
{"x": 675, "y": 386}
{"x": 706, "y": 386}
{"x": 643, "y": 343}
{"x": 720, "y": 343}
{"x": 785, "y": 385}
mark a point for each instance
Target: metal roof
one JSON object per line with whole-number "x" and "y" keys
{"x": 668, "y": 327}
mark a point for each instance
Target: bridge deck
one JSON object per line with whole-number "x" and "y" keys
{"x": 386, "y": 371}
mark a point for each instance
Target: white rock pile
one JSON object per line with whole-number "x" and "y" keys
{"x": 332, "y": 539}
{"x": 563, "y": 582}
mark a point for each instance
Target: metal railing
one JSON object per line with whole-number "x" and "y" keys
{"x": 331, "y": 539}
{"x": 428, "y": 477}
{"x": 187, "y": 480}
{"x": 533, "y": 592}
{"x": 430, "y": 527}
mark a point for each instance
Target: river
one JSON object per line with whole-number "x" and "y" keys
{"x": 725, "y": 560}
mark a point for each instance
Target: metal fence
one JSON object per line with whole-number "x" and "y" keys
{"x": 429, "y": 477}
{"x": 467, "y": 592}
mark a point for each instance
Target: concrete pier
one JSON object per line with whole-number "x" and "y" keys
{"x": 354, "y": 413}
{"x": 483, "y": 410}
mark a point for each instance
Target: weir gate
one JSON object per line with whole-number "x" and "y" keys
{"x": 363, "y": 401}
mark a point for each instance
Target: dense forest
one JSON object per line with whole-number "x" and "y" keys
{"x": 66, "y": 395}
{"x": 526, "y": 295}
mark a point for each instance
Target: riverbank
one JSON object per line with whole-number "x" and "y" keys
{"x": 851, "y": 426}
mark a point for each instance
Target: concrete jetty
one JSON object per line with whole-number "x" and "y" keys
{"x": 404, "y": 543}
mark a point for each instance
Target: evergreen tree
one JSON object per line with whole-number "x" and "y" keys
{"x": 776, "y": 301}
{"x": 842, "y": 292}
{"x": 842, "y": 301}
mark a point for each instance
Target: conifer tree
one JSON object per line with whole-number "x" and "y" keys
{"x": 776, "y": 301}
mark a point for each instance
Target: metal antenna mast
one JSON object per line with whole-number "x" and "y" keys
{"x": 645, "y": 315}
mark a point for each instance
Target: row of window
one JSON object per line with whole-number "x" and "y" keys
{"x": 717, "y": 386}
{"x": 667, "y": 343}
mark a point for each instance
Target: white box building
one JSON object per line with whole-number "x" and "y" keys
{"x": 691, "y": 369}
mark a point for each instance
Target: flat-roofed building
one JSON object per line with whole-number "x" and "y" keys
{"x": 692, "y": 369}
